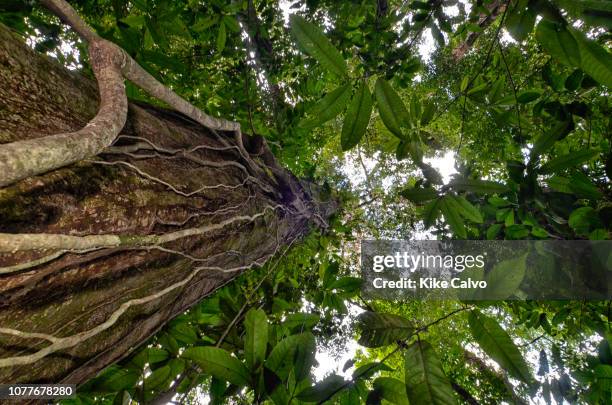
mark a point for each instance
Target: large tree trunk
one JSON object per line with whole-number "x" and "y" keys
{"x": 175, "y": 211}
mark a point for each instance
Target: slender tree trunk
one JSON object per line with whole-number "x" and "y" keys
{"x": 96, "y": 256}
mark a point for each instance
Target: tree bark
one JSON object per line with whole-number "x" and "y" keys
{"x": 95, "y": 257}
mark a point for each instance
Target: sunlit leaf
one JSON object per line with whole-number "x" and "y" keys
{"x": 313, "y": 41}
{"x": 357, "y": 117}
{"x": 497, "y": 344}
{"x": 382, "y": 329}
{"x": 426, "y": 382}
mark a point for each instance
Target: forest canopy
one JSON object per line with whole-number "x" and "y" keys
{"x": 456, "y": 119}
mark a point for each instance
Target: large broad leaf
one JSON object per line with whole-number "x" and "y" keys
{"x": 219, "y": 363}
{"x": 347, "y": 284}
{"x": 558, "y": 42}
{"x": 357, "y": 117}
{"x": 479, "y": 186}
{"x": 419, "y": 195}
{"x": 570, "y": 160}
{"x": 329, "y": 106}
{"x": 115, "y": 379}
{"x": 301, "y": 320}
{"x": 426, "y": 382}
{"x": 368, "y": 370}
{"x": 497, "y": 344}
{"x": 431, "y": 212}
{"x": 221, "y": 38}
{"x": 382, "y": 329}
{"x": 548, "y": 139}
{"x": 392, "y": 390}
{"x": 583, "y": 219}
{"x": 467, "y": 210}
{"x": 323, "y": 390}
{"x": 391, "y": 107}
{"x": 582, "y": 186}
{"x": 505, "y": 278}
{"x": 595, "y": 60}
{"x": 304, "y": 357}
{"x": 520, "y": 23}
{"x": 285, "y": 356}
{"x": 312, "y": 41}
{"x": 452, "y": 216}
{"x": 159, "y": 378}
{"x": 256, "y": 338}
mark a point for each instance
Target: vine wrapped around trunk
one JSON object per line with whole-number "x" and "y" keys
{"x": 98, "y": 255}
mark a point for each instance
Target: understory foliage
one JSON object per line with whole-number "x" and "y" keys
{"x": 360, "y": 95}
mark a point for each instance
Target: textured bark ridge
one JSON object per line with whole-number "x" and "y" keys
{"x": 97, "y": 256}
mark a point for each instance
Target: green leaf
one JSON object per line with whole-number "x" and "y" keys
{"x": 505, "y": 278}
{"x": 368, "y": 370}
{"x": 520, "y": 23}
{"x": 392, "y": 110}
{"x": 558, "y": 42}
{"x": 357, "y": 117}
{"x": 219, "y": 363}
{"x": 596, "y": 61}
{"x": 149, "y": 355}
{"x": 392, "y": 390}
{"x": 583, "y": 219}
{"x": 464, "y": 83}
{"x": 311, "y": 40}
{"x": 419, "y": 195}
{"x": 527, "y": 96}
{"x": 467, "y": 210}
{"x": 183, "y": 332}
{"x": 496, "y": 342}
{"x": 426, "y": 382}
{"x": 437, "y": 34}
{"x": 382, "y": 329}
{"x": 231, "y": 23}
{"x": 328, "y": 107}
{"x": 449, "y": 209}
{"x": 574, "y": 80}
{"x": 304, "y": 357}
{"x": 301, "y": 320}
{"x": 431, "y": 212}
{"x": 428, "y": 112}
{"x": 256, "y": 338}
{"x": 561, "y": 184}
{"x": 548, "y": 139}
{"x": 323, "y": 390}
{"x": 347, "y": 284}
{"x": 479, "y": 186}
{"x": 282, "y": 357}
{"x": 115, "y": 379}
{"x": 493, "y": 231}
{"x": 221, "y": 38}
{"x": 516, "y": 231}
{"x": 570, "y": 160}
{"x": 583, "y": 187}
{"x": 157, "y": 378}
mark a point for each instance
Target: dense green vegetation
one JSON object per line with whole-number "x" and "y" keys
{"x": 348, "y": 95}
